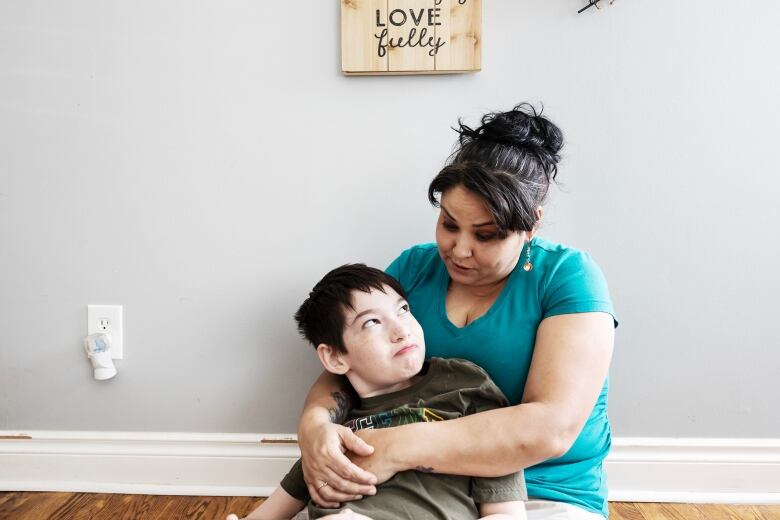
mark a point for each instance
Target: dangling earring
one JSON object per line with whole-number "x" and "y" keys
{"x": 527, "y": 266}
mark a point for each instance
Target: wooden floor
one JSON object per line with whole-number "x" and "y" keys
{"x": 90, "y": 506}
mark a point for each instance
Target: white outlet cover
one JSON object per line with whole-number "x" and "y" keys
{"x": 113, "y": 313}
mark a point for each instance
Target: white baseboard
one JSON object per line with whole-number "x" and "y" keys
{"x": 735, "y": 471}
{"x": 639, "y": 469}
{"x": 145, "y": 463}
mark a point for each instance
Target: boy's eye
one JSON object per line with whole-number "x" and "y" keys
{"x": 404, "y": 309}
{"x": 370, "y": 323}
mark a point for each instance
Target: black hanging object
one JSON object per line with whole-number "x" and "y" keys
{"x": 591, "y": 3}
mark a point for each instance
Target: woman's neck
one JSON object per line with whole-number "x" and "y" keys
{"x": 484, "y": 291}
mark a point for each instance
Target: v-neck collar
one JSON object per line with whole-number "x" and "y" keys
{"x": 442, "y": 297}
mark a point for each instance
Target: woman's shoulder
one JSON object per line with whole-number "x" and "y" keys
{"x": 569, "y": 279}
{"x": 554, "y": 258}
{"x": 554, "y": 248}
{"x": 420, "y": 252}
{"x": 417, "y": 263}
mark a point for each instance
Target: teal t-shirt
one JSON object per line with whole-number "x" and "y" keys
{"x": 562, "y": 281}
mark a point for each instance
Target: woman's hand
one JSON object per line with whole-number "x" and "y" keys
{"x": 331, "y": 477}
{"x": 381, "y": 462}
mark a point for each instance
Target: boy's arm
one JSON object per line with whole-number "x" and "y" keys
{"x": 279, "y": 506}
{"x": 323, "y": 442}
{"x": 514, "y": 510}
{"x": 500, "y": 497}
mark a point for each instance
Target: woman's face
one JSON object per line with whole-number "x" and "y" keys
{"x": 469, "y": 243}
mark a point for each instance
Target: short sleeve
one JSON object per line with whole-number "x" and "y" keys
{"x": 574, "y": 284}
{"x": 398, "y": 265}
{"x": 414, "y": 265}
{"x": 499, "y": 489}
{"x": 294, "y": 484}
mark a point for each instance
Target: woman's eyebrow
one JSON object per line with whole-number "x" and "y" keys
{"x": 449, "y": 215}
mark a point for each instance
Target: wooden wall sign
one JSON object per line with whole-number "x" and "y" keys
{"x": 411, "y": 36}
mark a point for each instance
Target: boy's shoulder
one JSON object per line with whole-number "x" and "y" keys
{"x": 455, "y": 374}
{"x": 458, "y": 366}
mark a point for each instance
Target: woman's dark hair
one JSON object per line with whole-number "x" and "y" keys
{"x": 509, "y": 161}
{"x": 320, "y": 318}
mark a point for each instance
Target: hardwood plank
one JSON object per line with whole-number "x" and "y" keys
{"x": 769, "y": 512}
{"x": 624, "y": 511}
{"x": 206, "y": 507}
{"x": 165, "y": 507}
{"x": 103, "y": 506}
{"x": 242, "y": 506}
{"x": 665, "y": 511}
{"x": 11, "y": 502}
{"x": 688, "y": 511}
{"x": 126, "y": 506}
{"x": 716, "y": 512}
{"x": 80, "y": 506}
{"x": 31, "y": 505}
{"x": 7, "y": 498}
{"x": 747, "y": 511}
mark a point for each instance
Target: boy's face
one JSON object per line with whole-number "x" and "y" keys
{"x": 384, "y": 342}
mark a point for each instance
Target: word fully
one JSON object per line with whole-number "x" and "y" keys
{"x": 416, "y": 37}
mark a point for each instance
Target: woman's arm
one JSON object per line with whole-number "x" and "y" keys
{"x": 569, "y": 365}
{"x": 323, "y": 442}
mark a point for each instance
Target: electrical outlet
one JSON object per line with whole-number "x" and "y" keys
{"x": 107, "y": 318}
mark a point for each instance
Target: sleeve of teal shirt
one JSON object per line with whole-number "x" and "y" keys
{"x": 411, "y": 264}
{"x": 398, "y": 265}
{"x": 573, "y": 284}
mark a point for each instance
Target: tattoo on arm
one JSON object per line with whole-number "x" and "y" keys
{"x": 338, "y": 414}
{"x": 423, "y": 469}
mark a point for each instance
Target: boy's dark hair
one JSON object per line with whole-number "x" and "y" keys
{"x": 320, "y": 318}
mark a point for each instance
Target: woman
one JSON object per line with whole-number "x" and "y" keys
{"x": 536, "y": 315}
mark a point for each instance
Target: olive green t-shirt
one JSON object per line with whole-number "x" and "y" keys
{"x": 448, "y": 388}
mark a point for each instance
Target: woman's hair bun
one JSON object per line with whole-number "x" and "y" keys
{"x": 522, "y": 126}
{"x": 509, "y": 161}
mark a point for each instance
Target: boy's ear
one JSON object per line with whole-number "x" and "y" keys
{"x": 332, "y": 359}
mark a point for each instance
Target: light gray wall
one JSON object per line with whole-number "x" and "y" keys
{"x": 204, "y": 163}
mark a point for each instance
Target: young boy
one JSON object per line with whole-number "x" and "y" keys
{"x": 359, "y": 322}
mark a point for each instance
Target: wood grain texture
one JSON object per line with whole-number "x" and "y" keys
{"x": 358, "y": 43}
{"x": 103, "y": 506}
{"x": 625, "y": 511}
{"x": 461, "y": 28}
{"x": 381, "y": 37}
{"x": 409, "y": 58}
{"x": 657, "y": 511}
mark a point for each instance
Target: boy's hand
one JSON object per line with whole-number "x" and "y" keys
{"x": 331, "y": 477}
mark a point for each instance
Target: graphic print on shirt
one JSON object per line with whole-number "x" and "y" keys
{"x": 395, "y": 417}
